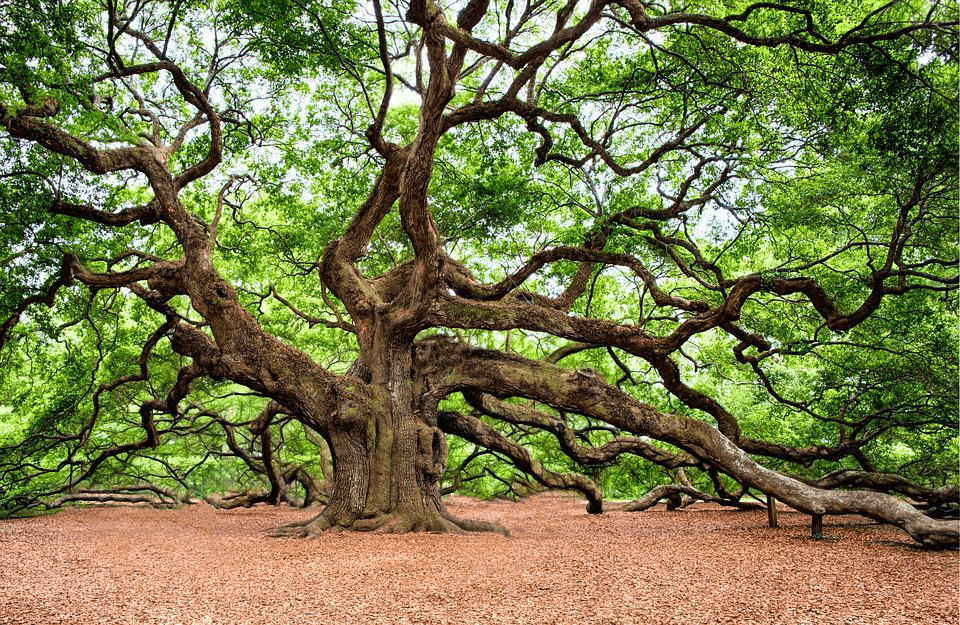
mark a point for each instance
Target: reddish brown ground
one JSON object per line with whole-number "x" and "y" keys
{"x": 701, "y": 565}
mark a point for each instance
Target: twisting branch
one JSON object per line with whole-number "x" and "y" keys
{"x": 567, "y": 437}
{"x": 476, "y": 431}
{"x": 807, "y": 38}
{"x": 145, "y": 215}
{"x": 64, "y": 279}
{"x": 672, "y": 492}
{"x": 453, "y": 367}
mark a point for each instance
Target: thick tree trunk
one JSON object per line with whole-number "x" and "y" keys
{"x": 386, "y": 480}
{"x": 387, "y": 464}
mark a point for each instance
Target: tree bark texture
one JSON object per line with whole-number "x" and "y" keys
{"x": 382, "y": 418}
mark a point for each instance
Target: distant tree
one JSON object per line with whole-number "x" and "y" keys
{"x": 719, "y": 237}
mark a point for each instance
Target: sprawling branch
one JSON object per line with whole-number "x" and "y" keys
{"x": 453, "y": 367}
{"x": 567, "y": 436}
{"x": 673, "y": 492}
{"x": 651, "y": 199}
{"x": 476, "y": 431}
{"x": 806, "y": 38}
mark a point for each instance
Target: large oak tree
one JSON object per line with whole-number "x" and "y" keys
{"x": 717, "y": 236}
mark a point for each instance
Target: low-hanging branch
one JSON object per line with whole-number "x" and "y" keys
{"x": 624, "y": 190}
{"x": 454, "y": 366}
{"x": 472, "y": 429}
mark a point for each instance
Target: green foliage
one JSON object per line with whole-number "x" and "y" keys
{"x": 809, "y": 165}
{"x": 295, "y": 38}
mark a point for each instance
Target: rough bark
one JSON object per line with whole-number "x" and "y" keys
{"x": 672, "y": 493}
{"x": 145, "y": 493}
{"x": 388, "y": 462}
{"x": 459, "y": 367}
{"x": 381, "y": 418}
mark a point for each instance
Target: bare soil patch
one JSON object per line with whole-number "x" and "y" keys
{"x": 201, "y": 566}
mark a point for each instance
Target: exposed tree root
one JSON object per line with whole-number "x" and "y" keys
{"x": 388, "y": 523}
{"x": 304, "y": 529}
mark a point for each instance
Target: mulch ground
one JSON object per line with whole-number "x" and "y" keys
{"x": 201, "y": 566}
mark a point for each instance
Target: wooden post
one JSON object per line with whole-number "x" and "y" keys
{"x": 772, "y": 511}
{"x": 816, "y": 531}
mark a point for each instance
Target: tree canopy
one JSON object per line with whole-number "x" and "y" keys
{"x": 369, "y": 253}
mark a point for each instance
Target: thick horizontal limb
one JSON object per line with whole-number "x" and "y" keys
{"x": 668, "y": 491}
{"x": 567, "y": 437}
{"x": 455, "y": 367}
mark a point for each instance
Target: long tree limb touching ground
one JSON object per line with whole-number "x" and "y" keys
{"x": 451, "y": 367}
{"x": 744, "y": 216}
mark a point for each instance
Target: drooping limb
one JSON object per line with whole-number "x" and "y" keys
{"x": 457, "y": 366}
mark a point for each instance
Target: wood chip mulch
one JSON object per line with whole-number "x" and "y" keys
{"x": 201, "y": 566}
